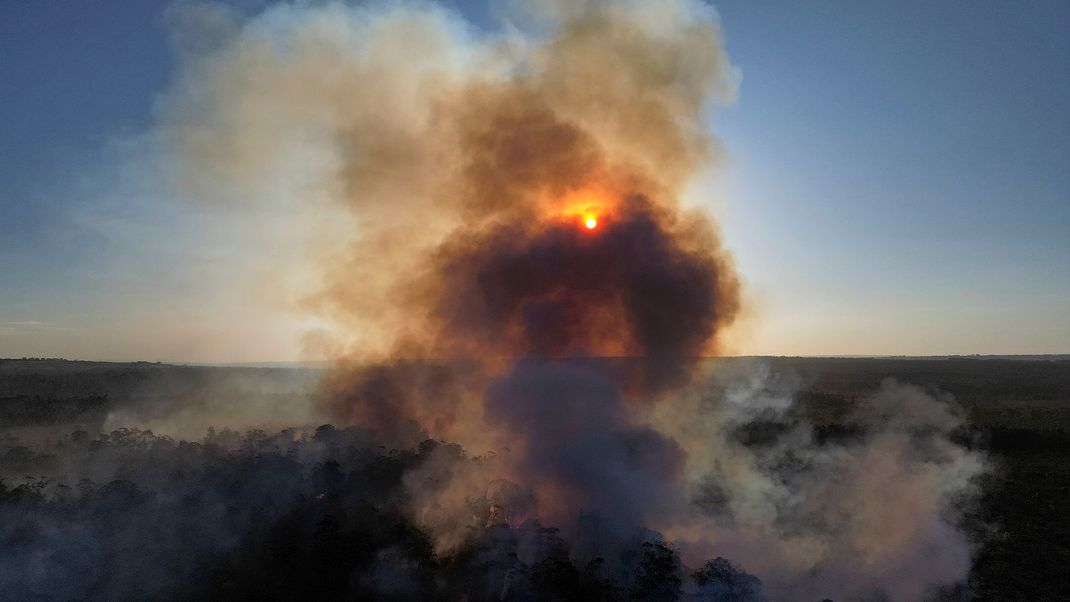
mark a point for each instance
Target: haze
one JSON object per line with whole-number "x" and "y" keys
{"x": 894, "y": 181}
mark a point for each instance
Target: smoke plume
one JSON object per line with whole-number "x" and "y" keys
{"x": 473, "y": 290}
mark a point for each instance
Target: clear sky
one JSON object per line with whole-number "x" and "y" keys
{"x": 898, "y": 182}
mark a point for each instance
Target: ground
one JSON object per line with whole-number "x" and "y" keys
{"x": 1018, "y": 411}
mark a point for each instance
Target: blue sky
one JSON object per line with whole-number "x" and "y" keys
{"x": 898, "y": 179}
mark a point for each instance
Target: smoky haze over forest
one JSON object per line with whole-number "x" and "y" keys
{"x": 91, "y": 509}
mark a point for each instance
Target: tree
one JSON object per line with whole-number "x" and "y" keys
{"x": 657, "y": 577}
{"x": 718, "y": 580}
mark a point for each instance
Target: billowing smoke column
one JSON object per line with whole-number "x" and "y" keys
{"x": 513, "y": 217}
{"x": 563, "y": 241}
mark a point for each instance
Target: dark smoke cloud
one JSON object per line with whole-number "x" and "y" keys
{"x": 577, "y": 448}
{"x": 636, "y": 289}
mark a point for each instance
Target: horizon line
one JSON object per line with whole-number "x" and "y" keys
{"x": 329, "y": 362}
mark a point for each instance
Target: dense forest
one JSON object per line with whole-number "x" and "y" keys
{"x": 92, "y": 512}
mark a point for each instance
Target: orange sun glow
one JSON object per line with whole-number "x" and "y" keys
{"x": 590, "y": 221}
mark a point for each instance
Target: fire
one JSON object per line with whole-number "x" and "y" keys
{"x": 590, "y": 221}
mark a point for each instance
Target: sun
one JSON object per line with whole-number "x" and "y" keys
{"x": 590, "y": 221}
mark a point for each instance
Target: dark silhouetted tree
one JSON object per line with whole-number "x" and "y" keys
{"x": 657, "y": 577}
{"x": 719, "y": 581}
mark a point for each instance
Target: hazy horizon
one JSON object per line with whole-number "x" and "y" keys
{"x": 326, "y": 363}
